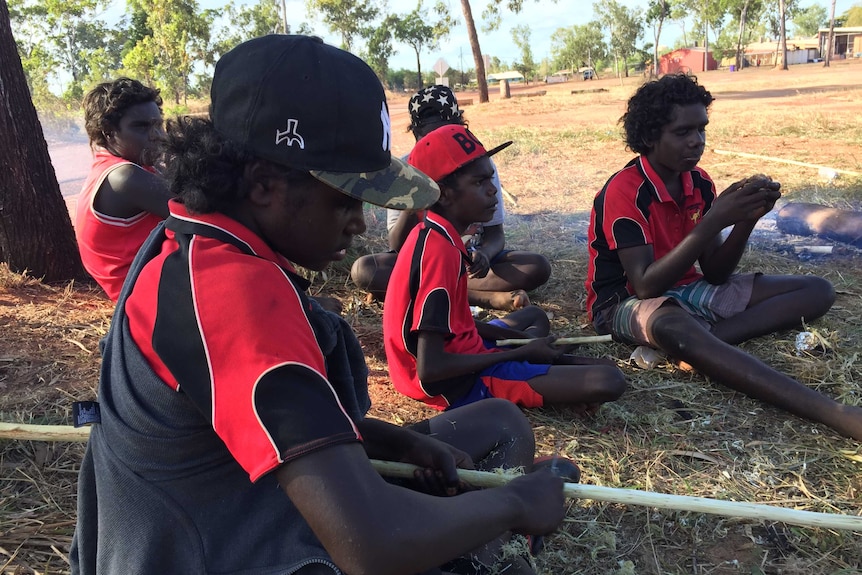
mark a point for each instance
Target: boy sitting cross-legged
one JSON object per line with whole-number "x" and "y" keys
{"x": 437, "y": 352}
{"x": 656, "y": 218}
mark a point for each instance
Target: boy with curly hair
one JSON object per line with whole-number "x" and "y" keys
{"x": 656, "y": 218}
{"x": 124, "y": 197}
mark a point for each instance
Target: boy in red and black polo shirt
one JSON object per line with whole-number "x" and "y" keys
{"x": 656, "y": 218}
{"x": 233, "y": 434}
{"x": 437, "y": 353}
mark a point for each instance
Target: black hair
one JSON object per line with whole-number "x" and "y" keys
{"x": 107, "y": 103}
{"x": 428, "y": 125}
{"x": 652, "y": 107}
{"x": 206, "y": 171}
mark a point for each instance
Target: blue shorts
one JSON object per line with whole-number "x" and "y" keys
{"x": 506, "y": 380}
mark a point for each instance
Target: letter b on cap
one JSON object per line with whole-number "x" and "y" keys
{"x": 467, "y": 141}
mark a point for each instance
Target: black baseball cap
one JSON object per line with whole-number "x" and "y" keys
{"x": 298, "y": 102}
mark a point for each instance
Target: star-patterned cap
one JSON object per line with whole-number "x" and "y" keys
{"x": 433, "y": 104}
{"x": 298, "y": 102}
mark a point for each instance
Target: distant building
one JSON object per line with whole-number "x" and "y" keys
{"x": 686, "y": 60}
{"x": 512, "y": 76}
{"x": 799, "y": 51}
{"x": 846, "y": 44}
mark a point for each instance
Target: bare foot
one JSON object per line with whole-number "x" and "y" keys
{"x": 502, "y": 300}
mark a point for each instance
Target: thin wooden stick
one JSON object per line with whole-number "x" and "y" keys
{"x": 559, "y": 341}
{"x": 28, "y": 432}
{"x": 784, "y": 161}
{"x": 651, "y": 499}
{"x": 32, "y": 432}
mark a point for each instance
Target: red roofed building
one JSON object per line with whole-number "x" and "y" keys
{"x": 686, "y": 60}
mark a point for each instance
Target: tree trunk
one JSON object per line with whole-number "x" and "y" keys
{"x": 477, "y": 51}
{"x": 782, "y": 31}
{"x": 705, "y": 38}
{"x": 419, "y": 82}
{"x": 35, "y": 231}
{"x": 655, "y": 63}
{"x": 743, "y": 15}
{"x": 831, "y": 37}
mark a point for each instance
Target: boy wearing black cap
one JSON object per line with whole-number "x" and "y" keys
{"x": 436, "y": 352}
{"x": 233, "y": 435}
{"x": 499, "y": 278}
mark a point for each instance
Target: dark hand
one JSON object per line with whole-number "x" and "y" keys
{"x": 540, "y": 350}
{"x": 746, "y": 200}
{"x": 481, "y": 264}
{"x": 541, "y": 494}
{"x": 439, "y": 463}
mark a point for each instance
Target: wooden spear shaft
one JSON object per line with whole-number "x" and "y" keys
{"x": 785, "y": 161}
{"x": 651, "y": 499}
{"x": 29, "y": 432}
{"x": 559, "y": 341}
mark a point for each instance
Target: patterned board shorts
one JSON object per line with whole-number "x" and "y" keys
{"x": 706, "y": 302}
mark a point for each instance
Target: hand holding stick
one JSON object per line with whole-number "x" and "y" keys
{"x": 27, "y": 432}
{"x": 651, "y": 499}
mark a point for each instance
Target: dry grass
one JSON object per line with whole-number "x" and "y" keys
{"x": 672, "y": 432}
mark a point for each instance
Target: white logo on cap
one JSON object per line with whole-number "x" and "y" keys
{"x": 290, "y": 135}
{"x": 387, "y": 127}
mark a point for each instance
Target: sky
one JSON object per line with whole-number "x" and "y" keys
{"x": 543, "y": 17}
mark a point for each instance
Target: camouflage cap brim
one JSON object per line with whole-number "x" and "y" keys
{"x": 399, "y": 186}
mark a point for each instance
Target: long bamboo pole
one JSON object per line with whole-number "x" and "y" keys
{"x": 559, "y": 341}
{"x": 785, "y": 161}
{"x": 651, "y": 499}
{"x": 29, "y": 432}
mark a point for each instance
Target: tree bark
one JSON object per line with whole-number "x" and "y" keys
{"x": 743, "y": 15}
{"x": 831, "y": 37}
{"x": 782, "y": 31}
{"x": 477, "y": 51}
{"x": 35, "y": 230}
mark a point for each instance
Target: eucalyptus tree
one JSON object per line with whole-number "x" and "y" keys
{"x": 58, "y": 38}
{"x": 521, "y": 38}
{"x": 809, "y": 20}
{"x": 624, "y": 26}
{"x": 657, "y": 12}
{"x": 35, "y": 230}
{"x": 348, "y": 18}
{"x": 423, "y": 32}
{"x": 578, "y": 45}
{"x": 179, "y": 38}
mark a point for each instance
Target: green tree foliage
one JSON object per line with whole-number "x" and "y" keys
{"x": 349, "y": 18}
{"x": 521, "y": 38}
{"x": 658, "y": 11}
{"x": 59, "y": 36}
{"x": 578, "y": 46}
{"x": 492, "y": 15}
{"x": 379, "y": 47}
{"x": 625, "y": 28}
{"x": 852, "y": 17}
{"x": 180, "y": 37}
{"x": 744, "y": 18}
{"x": 807, "y": 21}
{"x": 246, "y": 22}
{"x": 419, "y": 31}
